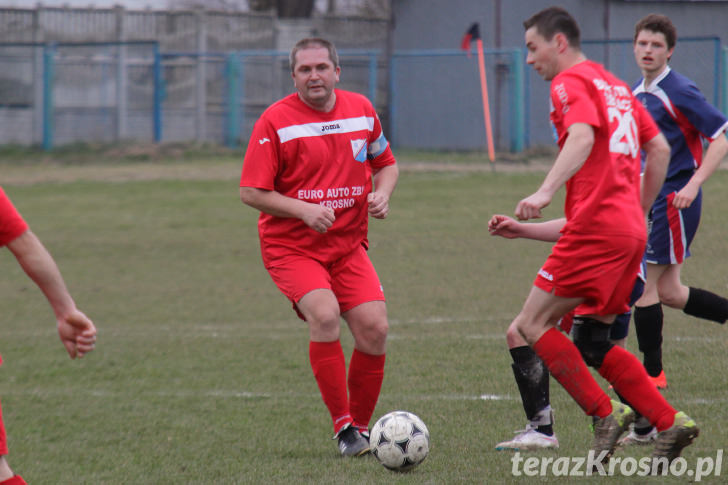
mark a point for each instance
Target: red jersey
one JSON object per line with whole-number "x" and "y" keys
{"x": 12, "y": 224}
{"x": 317, "y": 157}
{"x": 604, "y": 195}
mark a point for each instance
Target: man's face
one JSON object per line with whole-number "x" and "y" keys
{"x": 651, "y": 52}
{"x": 542, "y": 54}
{"x": 315, "y": 76}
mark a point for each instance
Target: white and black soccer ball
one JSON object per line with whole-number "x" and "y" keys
{"x": 400, "y": 441}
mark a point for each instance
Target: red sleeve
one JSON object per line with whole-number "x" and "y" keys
{"x": 573, "y": 102}
{"x": 262, "y": 159}
{"x": 12, "y": 224}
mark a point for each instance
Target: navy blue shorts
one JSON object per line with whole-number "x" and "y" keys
{"x": 670, "y": 231}
{"x": 620, "y": 327}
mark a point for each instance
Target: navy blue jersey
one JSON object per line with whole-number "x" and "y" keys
{"x": 684, "y": 116}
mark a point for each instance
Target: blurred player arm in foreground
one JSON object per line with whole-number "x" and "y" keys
{"x": 76, "y": 330}
{"x": 509, "y": 228}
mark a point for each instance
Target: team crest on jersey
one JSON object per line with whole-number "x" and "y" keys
{"x": 359, "y": 150}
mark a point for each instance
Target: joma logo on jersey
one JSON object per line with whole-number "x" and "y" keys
{"x": 333, "y": 126}
{"x": 545, "y": 274}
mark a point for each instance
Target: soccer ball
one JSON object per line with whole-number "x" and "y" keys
{"x": 400, "y": 441}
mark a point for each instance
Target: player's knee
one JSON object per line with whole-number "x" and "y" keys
{"x": 672, "y": 295}
{"x": 513, "y": 337}
{"x": 591, "y": 337}
{"x": 326, "y": 319}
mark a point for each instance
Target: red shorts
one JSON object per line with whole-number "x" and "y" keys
{"x": 351, "y": 278}
{"x": 596, "y": 267}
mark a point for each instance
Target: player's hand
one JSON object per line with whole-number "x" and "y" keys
{"x": 378, "y": 205}
{"x": 685, "y": 197}
{"x": 504, "y": 226}
{"x": 530, "y": 207}
{"x": 77, "y": 333}
{"x": 318, "y": 217}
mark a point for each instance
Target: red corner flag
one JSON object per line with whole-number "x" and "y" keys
{"x": 473, "y": 33}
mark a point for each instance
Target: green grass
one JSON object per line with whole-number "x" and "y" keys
{"x": 201, "y": 371}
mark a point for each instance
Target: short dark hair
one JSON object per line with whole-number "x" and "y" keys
{"x": 661, "y": 24}
{"x": 553, "y": 20}
{"x": 314, "y": 42}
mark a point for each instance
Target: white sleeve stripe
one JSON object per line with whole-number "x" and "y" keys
{"x": 378, "y": 146}
{"x": 720, "y": 130}
{"x": 346, "y": 125}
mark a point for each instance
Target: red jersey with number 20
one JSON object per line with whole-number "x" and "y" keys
{"x": 321, "y": 158}
{"x": 604, "y": 195}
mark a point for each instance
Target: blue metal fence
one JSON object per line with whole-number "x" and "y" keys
{"x": 428, "y": 99}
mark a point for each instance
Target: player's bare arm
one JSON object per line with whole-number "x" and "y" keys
{"x": 75, "y": 329}
{"x": 576, "y": 149}
{"x": 385, "y": 180}
{"x": 716, "y": 152}
{"x": 509, "y": 228}
{"x": 657, "y": 158}
{"x": 315, "y": 216}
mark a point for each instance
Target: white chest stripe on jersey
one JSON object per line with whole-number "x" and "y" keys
{"x": 346, "y": 125}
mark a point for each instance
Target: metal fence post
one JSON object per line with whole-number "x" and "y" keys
{"x": 518, "y": 133}
{"x": 201, "y": 76}
{"x": 373, "y": 78}
{"x": 724, "y": 81}
{"x": 232, "y": 76}
{"x": 158, "y": 94}
{"x": 48, "y": 74}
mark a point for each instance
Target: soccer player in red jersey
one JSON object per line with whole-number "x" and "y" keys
{"x": 600, "y": 128}
{"x": 317, "y": 166}
{"x": 76, "y": 331}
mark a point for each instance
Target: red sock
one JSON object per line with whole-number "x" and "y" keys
{"x": 629, "y": 378}
{"x": 565, "y": 363}
{"x": 329, "y": 369}
{"x": 16, "y": 480}
{"x": 366, "y": 373}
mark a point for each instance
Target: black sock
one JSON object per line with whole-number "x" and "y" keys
{"x": 707, "y": 305}
{"x": 532, "y": 378}
{"x": 648, "y": 327}
{"x": 547, "y": 429}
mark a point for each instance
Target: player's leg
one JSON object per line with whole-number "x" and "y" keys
{"x": 361, "y": 297}
{"x": 564, "y": 360}
{"x": 6, "y": 474}
{"x": 642, "y": 432}
{"x": 7, "y": 477}
{"x": 321, "y": 311}
{"x": 537, "y": 325}
{"x": 307, "y": 284}
{"x": 532, "y": 378}
{"x": 648, "y": 322}
{"x": 368, "y": 325}
{"x": 695, "y": 302}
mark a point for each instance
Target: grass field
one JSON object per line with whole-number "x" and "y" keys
{"x": 201, "y": 372}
